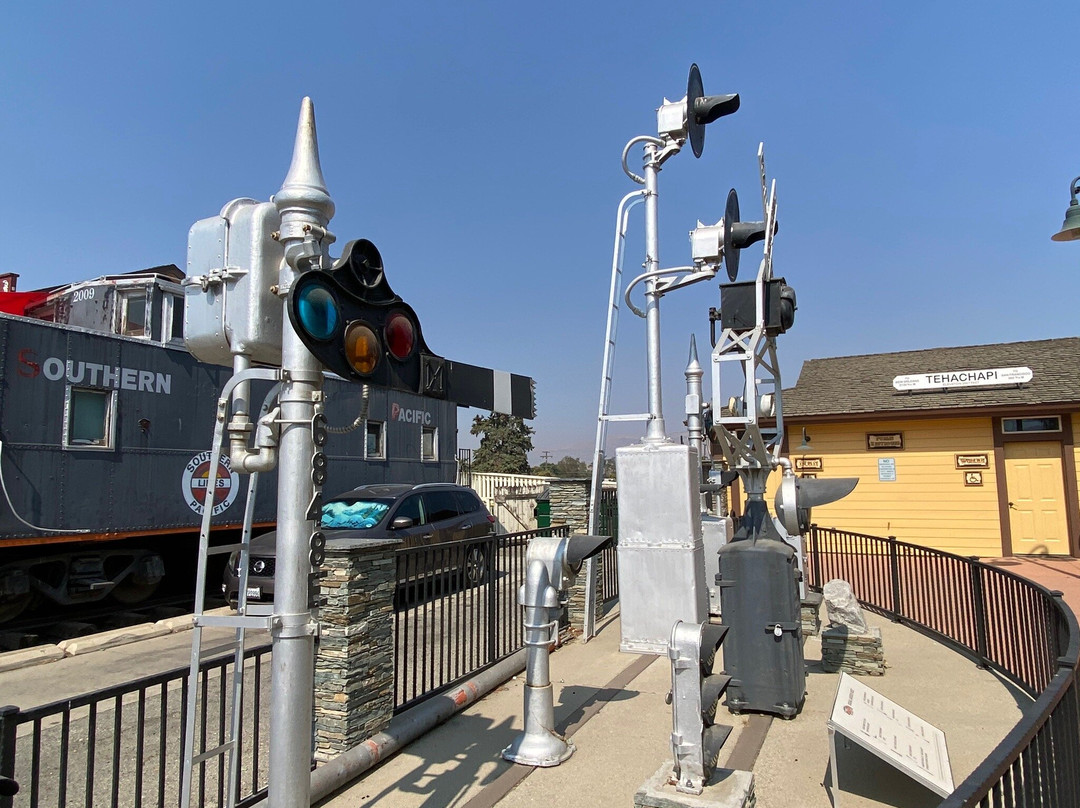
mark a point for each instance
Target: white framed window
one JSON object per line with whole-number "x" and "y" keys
{"x": 133, "y": 319}
{"x": 1049, "y": 423}
{"x": 89, "y": 418}
{"x": 172, "y": 318}
{"x": 429, "y": 443}
{"x": 375, "y": 440}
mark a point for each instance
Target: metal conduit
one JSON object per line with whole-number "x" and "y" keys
{"x": 408, "y": 726}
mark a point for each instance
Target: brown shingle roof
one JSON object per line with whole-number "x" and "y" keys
{"x": 863, "y": 384}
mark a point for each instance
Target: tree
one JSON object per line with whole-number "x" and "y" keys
{"x": 504, "y": 446}
{"x": 568, "y": 467}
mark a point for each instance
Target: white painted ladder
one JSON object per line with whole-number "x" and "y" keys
{"x": 255, "y": 616}
{"x": 603, "y": 417}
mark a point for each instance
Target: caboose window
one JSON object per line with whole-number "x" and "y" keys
{"x": 177, "y": 317}
{"x": 133, "y": 315}
{"x": 89, "y": 418}
{"x": 375, "y": 448}
{"x": 429, "y": 443}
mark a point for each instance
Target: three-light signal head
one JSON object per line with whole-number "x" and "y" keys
{"x": 351, "y": 320}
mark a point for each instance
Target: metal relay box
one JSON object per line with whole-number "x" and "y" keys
{"x": 233, "y": 262}
{"x": 660, "y": 551}
{"x": 738, "y": 306}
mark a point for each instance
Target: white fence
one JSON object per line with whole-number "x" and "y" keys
{"x": 511, "y": 498}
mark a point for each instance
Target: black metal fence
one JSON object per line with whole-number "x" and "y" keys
{"x": 608, "y": 525}
{"x": 1004, "y": 622}
{"x": 123, "y": 746}
{"x": 458, "y": 611}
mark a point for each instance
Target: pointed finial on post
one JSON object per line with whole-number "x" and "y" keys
{"x": 693, "y": 367}
{"x": 694, "y": 422}
{"x": 303, "y": 193}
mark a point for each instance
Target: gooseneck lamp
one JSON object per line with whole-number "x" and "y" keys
{"x": 1070, "y": 228}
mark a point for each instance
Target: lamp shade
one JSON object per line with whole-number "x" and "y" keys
{"x": 1070, "y": 228}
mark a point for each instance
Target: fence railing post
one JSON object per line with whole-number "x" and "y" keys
{"x": 494, "y": 621}
{"x": 8, "y": 725}
{"x": 894, "y": 574}
{"x": 978, "y": 598}
{"x": 815, "y": 554}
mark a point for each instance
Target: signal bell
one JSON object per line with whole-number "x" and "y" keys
{"x": 355, "y": 325}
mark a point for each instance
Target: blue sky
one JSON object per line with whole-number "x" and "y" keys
{"x": 922, "y": 153}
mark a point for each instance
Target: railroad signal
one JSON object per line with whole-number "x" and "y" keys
{"x": 686, "y": 119}
{"x": 354, "y": 324}
{"x": 552, "y": 563}
{"x": 695, "y": 692}
{"x": 797, "y": 495}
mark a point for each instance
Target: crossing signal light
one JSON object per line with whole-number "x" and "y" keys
{"x": 354, "y": 324}
{"x": 695, "y": 691}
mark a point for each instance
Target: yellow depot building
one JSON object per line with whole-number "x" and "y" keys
{"x": 970, "y": 450}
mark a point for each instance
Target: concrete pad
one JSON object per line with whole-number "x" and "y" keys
{"x": 28, "y": 657}
{"x": 973, "y": 707}
{"x": 726, "y": 788}
{"x": 110, "y": 639}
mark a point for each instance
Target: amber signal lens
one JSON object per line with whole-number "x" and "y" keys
{"x": 361, "y": 348}
{"x": 400, "y": 335}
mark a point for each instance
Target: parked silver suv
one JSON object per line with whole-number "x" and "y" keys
{"x": 419, "y": 515}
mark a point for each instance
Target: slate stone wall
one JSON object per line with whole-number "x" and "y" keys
{"x": 354, "y": 664}
{"x": 570, "y": 506}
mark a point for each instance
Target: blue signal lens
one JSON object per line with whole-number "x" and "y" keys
{"x": 318, "y": 311}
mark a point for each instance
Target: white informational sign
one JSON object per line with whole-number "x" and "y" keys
{"x": 900, "y": 738}
{"x": 886, "y": 469}
{"x": 988, "y": 377}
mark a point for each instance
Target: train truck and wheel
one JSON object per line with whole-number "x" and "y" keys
{"x": 126, "y": 575}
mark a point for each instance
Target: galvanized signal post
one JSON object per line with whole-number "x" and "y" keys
{"x": 244, "y": 265}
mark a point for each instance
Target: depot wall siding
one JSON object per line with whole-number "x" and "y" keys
{"x": 928, "y": 504}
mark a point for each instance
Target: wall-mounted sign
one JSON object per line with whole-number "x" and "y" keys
{"x": 972, "y": 478}
{"x": 809, "y": 464}
{"x": 885, "y": 440}
{"x": 962, "y": 378}
{"x": 886, "y": 470}
{"x": 973, "y": 461}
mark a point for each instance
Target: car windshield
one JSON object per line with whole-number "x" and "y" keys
{"x": 354, "y": 513}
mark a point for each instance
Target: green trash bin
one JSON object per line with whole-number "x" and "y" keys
{"x": 542, "y": 511}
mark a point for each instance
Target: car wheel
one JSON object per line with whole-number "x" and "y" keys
{"x": 475, "y": 570}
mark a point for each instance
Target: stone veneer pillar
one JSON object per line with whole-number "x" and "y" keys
{"x": 354, "y": 665}
{"x": 570, "y": 506}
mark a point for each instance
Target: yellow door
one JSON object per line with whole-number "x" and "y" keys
{"x": 1034, "y": 481}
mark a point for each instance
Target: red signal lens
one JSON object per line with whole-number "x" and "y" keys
{"x": 400, "y": 335}
{"x": 361, "y": 348}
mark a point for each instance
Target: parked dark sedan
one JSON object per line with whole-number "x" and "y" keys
{"x": 419, "y": 515}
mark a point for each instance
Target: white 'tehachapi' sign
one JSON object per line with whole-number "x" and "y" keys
{"x": 988, "y": 377}
{"x": 912, "y": 745}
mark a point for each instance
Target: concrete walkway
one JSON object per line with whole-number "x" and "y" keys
{"x": 612, "y": 706}
{"x": 627, "y": 740}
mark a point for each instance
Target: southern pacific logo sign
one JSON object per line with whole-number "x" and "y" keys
{"x": 946, "y": 380}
